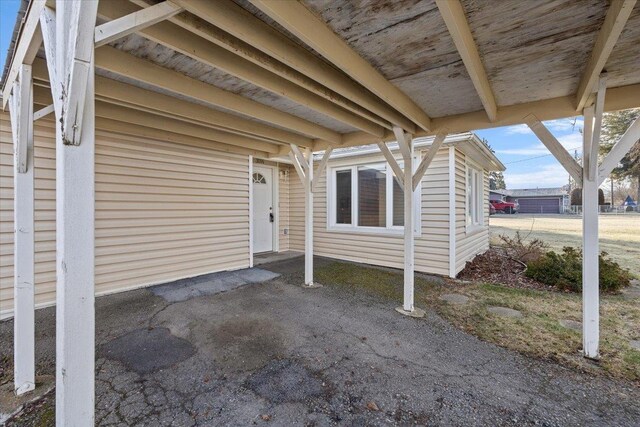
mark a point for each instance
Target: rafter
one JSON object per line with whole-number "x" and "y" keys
{"x": 456, "y": 21}
{"x": 145, "y": 100}
{"x": 27, "y": 47}
{"x": 618, "y": 98}
{"x": 129, "y": 24}
{"x": 296, "y": 18}
{"x": 124, "y": 64}
{"x": 235, "y": 20}
{"x": 612, "y": 27}
{"x": 202, "y": 50}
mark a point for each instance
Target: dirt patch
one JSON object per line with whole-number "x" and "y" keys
{"x": 282, "y": 381}
{"x": 148, "y": 350}
{"x": 494, "y": 266}
{"x": 245, "y": 345}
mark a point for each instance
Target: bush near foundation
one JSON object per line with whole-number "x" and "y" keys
{"x": 564, "y": 271}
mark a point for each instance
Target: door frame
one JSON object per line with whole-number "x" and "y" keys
{"x": 275, "y": 194}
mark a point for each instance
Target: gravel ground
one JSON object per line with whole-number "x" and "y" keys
{"x": 274, "y": 353}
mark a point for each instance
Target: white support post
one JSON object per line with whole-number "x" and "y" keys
{"x": 21, "y": 106}
{"x": 590, "y": 270}
{"x": 452, "y": 212}
{"x": 250, "y": 211}
{"x": 75, "y": 206}
{"x": 405, "y": 142}
{"x": 308, "y": 221}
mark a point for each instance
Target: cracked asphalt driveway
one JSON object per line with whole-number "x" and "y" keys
{"x": 273, "y": 353}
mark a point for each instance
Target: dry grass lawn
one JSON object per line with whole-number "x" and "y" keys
{"x": 538, "y": 333}
{"x": 619, "y": 234}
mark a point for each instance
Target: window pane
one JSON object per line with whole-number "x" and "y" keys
{"x": 343, "y": 197}
{"x": 372, "y": 205}
{"x": 398, "y": 203}
{"x": 470, "y": 196}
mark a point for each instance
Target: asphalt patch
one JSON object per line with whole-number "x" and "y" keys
{"x": 211, "y": 284}
{"x": 148, "y": 350}
{"x": 282, "y": 381}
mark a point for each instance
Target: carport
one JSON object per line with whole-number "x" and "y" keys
{"x": 284, "y": 80}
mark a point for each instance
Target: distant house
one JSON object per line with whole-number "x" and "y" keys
{"x": 535, "y": 200}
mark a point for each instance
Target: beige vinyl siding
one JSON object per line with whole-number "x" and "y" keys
{"x": 164, "y": 211}
{"x": 469, "y": 244}
{"x": 284, "y": 173}
{"x": 432, "y": 247}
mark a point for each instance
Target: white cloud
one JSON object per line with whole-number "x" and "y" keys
{"x": 552, "y": 175}
{"x": 560, "y": 125}
{"x": 570, "y": 142}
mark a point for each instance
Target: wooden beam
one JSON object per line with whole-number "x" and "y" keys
{"x": 195, "y": 47}
{"x": 126, "y": 115}
{"x": 297, "y": 19}
{"x": 321, "y": 168}
{"x": 618, "y": 98}
{"x": 118, "y": 62}
{"x": 29, "y": 42}
{"x": 397, "y": 170}
{"x": 614, "y": 22}
{"x": 24, "y": 241}
{"x": 257, "y": 34}
{"x": 428, "y": 157}
{"x": 619, "y": 150}
{"x": 43, "y": 112}
{"x": 456, "y": 21}
{"x": 552, "y": 144}
{"x": 123, "y": 114}
{"x": 81, "y": 17}
{"x": 145, "y": 100}
{"x": 129, "y": 24}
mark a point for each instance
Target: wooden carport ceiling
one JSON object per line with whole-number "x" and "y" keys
{"x": 534, "y": 55}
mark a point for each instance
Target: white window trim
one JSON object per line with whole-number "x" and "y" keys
{"x": 390, "y": 229}
{"x": 478, "y": 173}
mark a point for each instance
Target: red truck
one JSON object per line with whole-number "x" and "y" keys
{"x": 505, "y": 207}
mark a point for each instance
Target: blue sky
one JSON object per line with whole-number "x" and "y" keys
{"x": 529, "y": 164}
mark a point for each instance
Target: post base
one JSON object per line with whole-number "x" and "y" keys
{"x": 417, "y": 312}
{"x": 312, "y": 285}
{"x": 592, "y": 358}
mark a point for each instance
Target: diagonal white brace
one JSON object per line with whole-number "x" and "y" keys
{"x": 404, "y": 140}
{"x": 81, "y": 18}
{"x": 303, "y": 162}
{"x": 321, "y": 168}
{"x": 48, "y": 26}
{"x": 619, "y": 150}
{"x": 428, "y": 158}
{"x": 552, "y": 144}
{"x": 43, "y": 112}
{"x": 392, "y": 162}
{"x": 121, "y": 27}
{"x": 298, "y": 167}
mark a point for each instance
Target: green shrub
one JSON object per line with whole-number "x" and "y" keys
{"x": 564, "y": 271}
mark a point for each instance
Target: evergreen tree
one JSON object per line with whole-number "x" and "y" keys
{"x": 496, "y": 181}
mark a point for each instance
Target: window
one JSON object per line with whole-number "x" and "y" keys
{"x": 258, "y": 178}
{"x": 367, "y": 198}
{"x": 475, "y": 197}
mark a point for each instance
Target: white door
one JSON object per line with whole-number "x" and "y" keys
{"x": 263, "y": 213}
